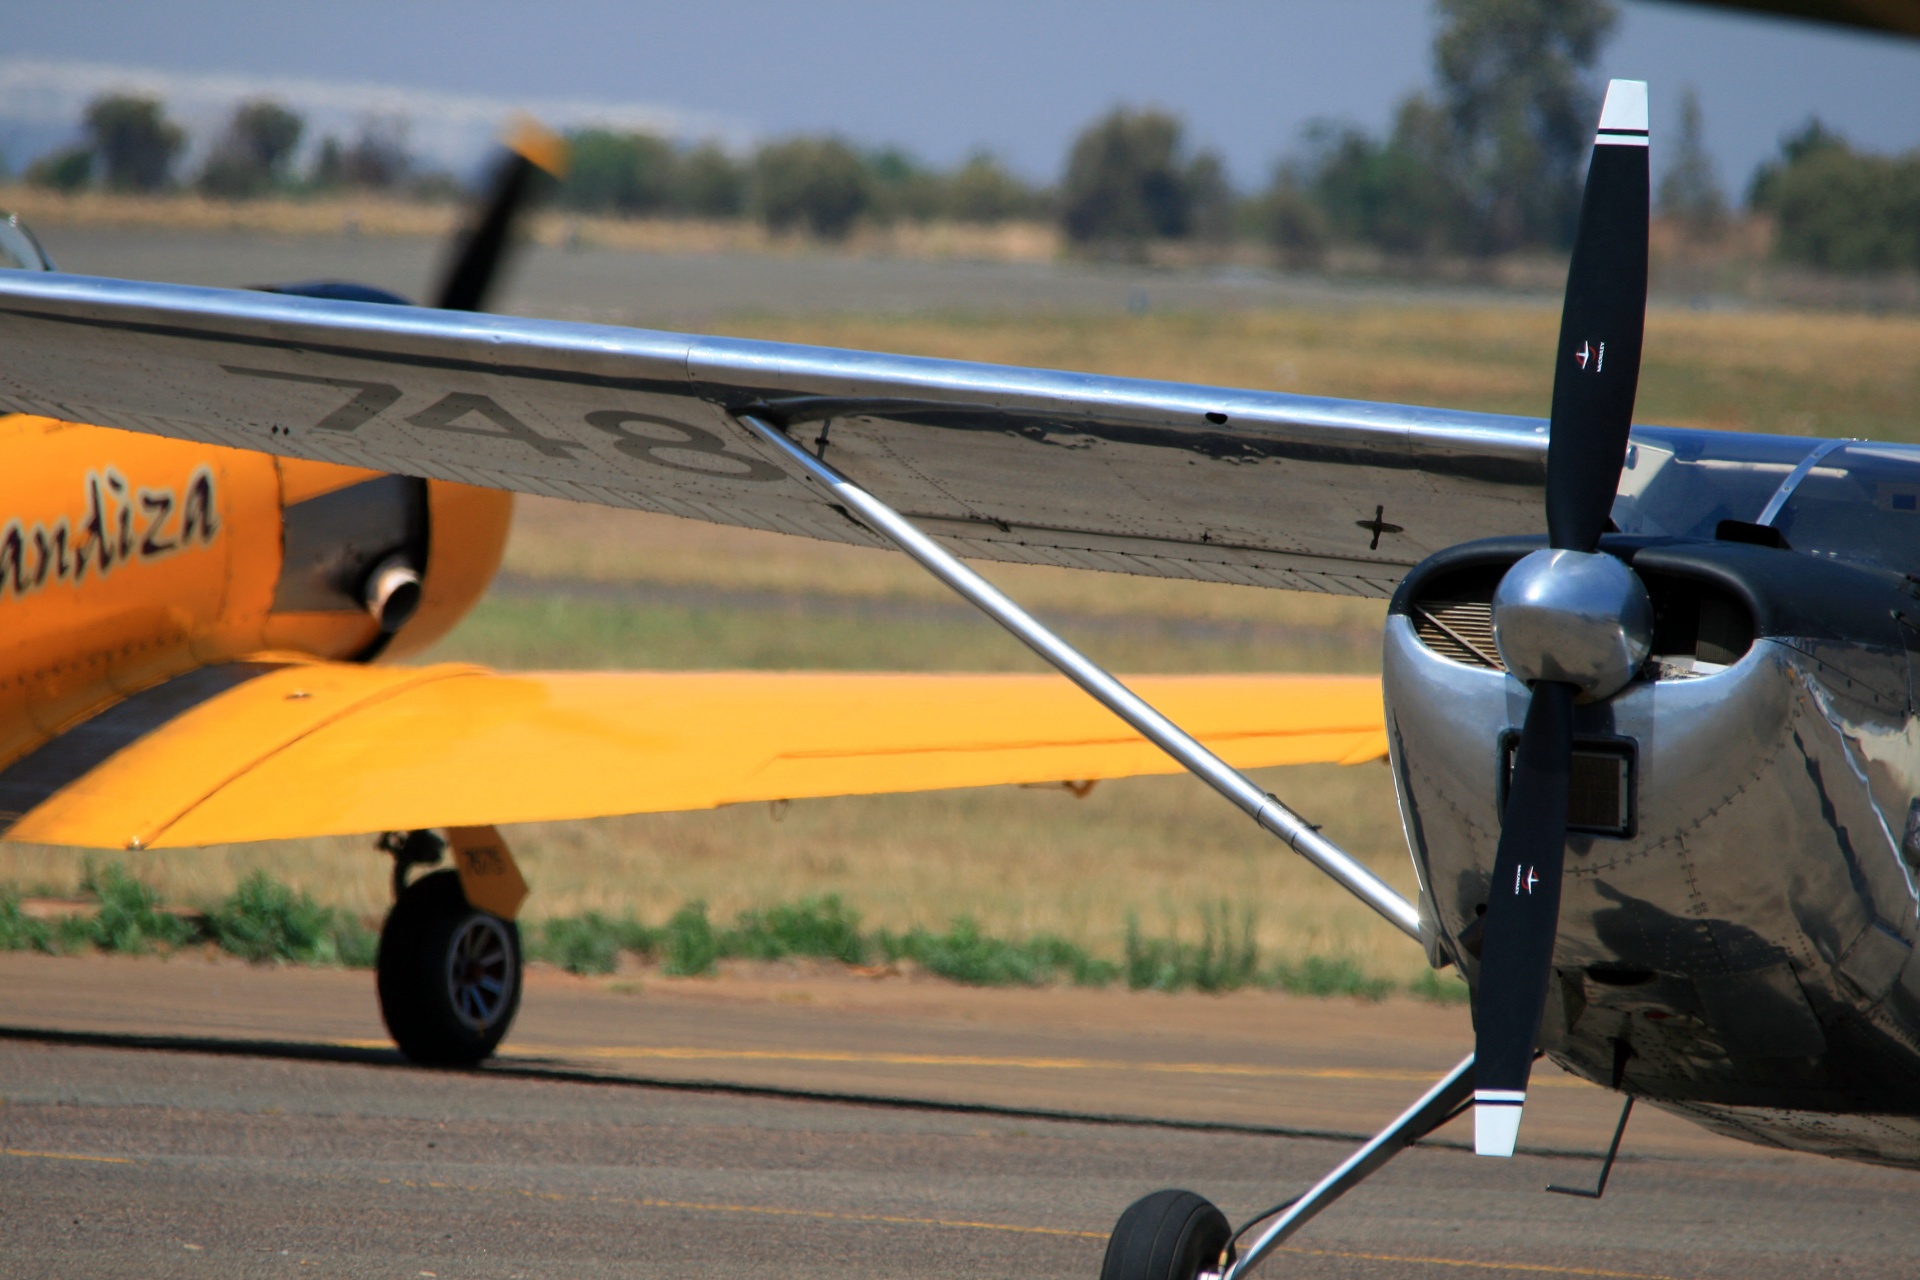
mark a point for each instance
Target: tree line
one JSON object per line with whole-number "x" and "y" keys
{"x": 1486, "y": 161}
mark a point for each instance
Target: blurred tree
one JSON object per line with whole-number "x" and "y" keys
{"x": 1812, "y": 137}
{"x": 816, "y": 183}
{"x": 628, "y": 173}
{"x": 135, "y": 142}
{"x": 1210, "y": 201}
{"x": 1128, "y": 180}
{"x": 252, "y": 156}
{"x": 1514, "y": 94}
{"x": 376, "y": 160}
{"x": 1296, "y": 225}
{"x": 1690, "y": 190}
{"x": 1841, "y": 209}
{"x": 903, "y": 187}
{"x": 709, "y": 184}
{"x": 1399, "y": 195}
{"x": 982, "y": 190}
{"x": 69, "y": 169}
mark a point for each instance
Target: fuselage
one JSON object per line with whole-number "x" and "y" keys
{"x": 1738, "y": 918}
{"x": 127, "y": 559}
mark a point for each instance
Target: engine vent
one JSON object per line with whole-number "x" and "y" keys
{"x": 1458, "y": 629}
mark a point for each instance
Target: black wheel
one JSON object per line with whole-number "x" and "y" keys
{"x": 1169, "y": 1235}
{"x": 449, "y": 974}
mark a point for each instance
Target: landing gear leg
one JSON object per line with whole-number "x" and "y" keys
{"x": 1148, "y": 1243}
{"x": 449, "y": 973}
{"x": 410, "y": 849}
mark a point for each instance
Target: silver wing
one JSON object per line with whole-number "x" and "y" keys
{"x": 1000, "y": 463}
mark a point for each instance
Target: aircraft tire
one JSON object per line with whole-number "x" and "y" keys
{"x": 1169, "y": 1235}
{"x": 449, "y": 974}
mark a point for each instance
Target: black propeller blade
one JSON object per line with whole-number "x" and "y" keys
{"x": 1523, "y": 916}
{"x": 1549, "y": 597}
{"x": 1602, "y": 323}
{"x": 535, "y": 157}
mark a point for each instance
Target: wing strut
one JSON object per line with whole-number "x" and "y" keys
{"x": 1264, "y": 809}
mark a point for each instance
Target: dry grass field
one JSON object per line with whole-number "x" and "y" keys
{"x": 373, "y": 214}
{"x": 591, "y": 588}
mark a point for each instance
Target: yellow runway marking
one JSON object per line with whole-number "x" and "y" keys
{"x": 62, "y": 1155}
{"x": 679, "y": 1053}
{"x": 907, "y": 1220}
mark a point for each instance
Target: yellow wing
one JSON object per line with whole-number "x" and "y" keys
{"x": 274, "y": 750}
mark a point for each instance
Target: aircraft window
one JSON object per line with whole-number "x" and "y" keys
{"x": 18, "y": 249}
{"x": 1683, "y": 483}
{"x": 1861, "y": 503}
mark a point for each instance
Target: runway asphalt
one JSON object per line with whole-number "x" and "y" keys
{"x": 192, "y": 1118}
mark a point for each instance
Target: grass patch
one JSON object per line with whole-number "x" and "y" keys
{"x": 1321, "y": 976}
{"x": 820, "y": 927}
{"x": 267, "y": 921}
{"x": 964, "y": 954}
{"x": 1441, "y": 988}
{"x": 1220, "y": 961}
{"x": 263, "y": 920}
{"x": 1225, "y": 958}
{"x": 20, "y": 931}
{"x": 129, "y": 919}
{"x": 587, "y": 944}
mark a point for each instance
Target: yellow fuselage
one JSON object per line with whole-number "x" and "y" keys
{"x": 127, "y": 559}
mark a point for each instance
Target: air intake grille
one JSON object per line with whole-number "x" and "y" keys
{"x": 1458, "y": 629}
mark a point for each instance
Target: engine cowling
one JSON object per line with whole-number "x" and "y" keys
{"x": 377, "y": 565}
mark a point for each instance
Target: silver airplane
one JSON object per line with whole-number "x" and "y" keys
{"x": 1659, "y": 769}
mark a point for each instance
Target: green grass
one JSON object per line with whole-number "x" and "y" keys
{"x": 1225, "y": 958}
{"x": 129, "y": 920}
{"x": 964, "y": 954}
{"x": 1220, "y": 961}
{"x": 265, "y": 921}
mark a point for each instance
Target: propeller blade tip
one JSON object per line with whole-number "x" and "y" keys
{"x": 1626, "y": 107}
{"x": 1496, "y": 1121}
{"x": 537, "y": 144}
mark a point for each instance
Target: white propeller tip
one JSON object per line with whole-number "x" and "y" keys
{"x": 1625, "y": 112}
{"x": 1496, "y": 1121}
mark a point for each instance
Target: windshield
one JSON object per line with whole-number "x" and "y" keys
{"x": 1683, "y": 483}
{"x": 1862, "y": 503}
{"x": 1858, "y": 501}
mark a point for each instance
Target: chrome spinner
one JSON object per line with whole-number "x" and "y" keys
{"x": 1573, "y": 616}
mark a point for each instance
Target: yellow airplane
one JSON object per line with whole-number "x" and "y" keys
{"x": 203, "y": 645}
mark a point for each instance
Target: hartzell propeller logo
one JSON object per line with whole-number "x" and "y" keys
{"x": 1592, "y": 356}
{"x": 1524, "y": 879}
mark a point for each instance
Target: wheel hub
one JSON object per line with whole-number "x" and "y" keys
{"x": 480, "y": 971}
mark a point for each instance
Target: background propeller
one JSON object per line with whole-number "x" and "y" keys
{"x": 535, "y": 159}
{"x": 1568, "y": 620}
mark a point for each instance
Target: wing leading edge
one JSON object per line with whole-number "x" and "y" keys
{"x": 1001, "y": 463}
{"x": 266, "y": 750}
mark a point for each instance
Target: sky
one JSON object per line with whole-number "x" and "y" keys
{"x": 1017, "y": 77}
